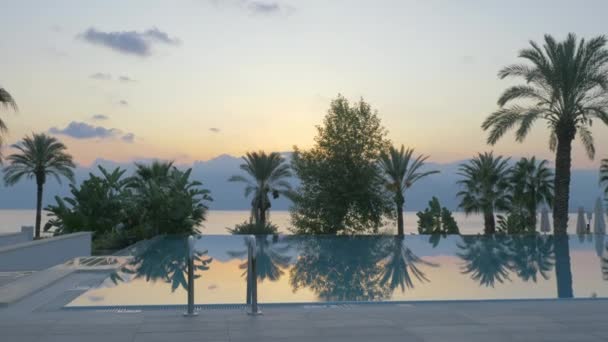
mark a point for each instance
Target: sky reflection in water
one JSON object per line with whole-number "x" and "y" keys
{"x": 308, "y": 269}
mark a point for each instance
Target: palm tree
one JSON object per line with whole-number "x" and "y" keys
{"x": 39, "y": 156}
{"x": 401, "y": 171}
{"x": 604, "y": 175}
{"x": 6, "y": 100}
{"x": 532, "y": 185}
{"x": 566, "y": 85}
{"x": 485, "y": 186}
{"x": 267, "y": 175}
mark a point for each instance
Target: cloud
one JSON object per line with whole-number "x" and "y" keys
{"x": 215, "y": 130}
{"x": 104, "y": 76}
{"x": 123, "y": 103}
{"x": 126, "y": 79}
{"x": 264, "y": 7}
{"x": 129, "y": 42}
{"x": 99, "y": 117}
{"x": 260, "y": 7}
{"x": 82, "y": 130}
{"x": 101, "y": 76}
{"x": 129, "y": 138}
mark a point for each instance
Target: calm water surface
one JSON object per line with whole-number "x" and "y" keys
{"x": 337, "y": 269}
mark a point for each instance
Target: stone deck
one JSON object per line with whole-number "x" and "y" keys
{"x": 578, "y": 321}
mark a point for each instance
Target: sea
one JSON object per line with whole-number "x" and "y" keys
{"x": 219, "y": 220}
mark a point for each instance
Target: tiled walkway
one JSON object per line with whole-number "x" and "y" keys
{"x": 490, "y": 321}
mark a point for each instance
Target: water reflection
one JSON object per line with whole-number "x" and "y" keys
{"x": 400, "y": 264}
{"x": 165, "y": 259}
{"x": 532, "y": 256}
{"x": 271, "y": 254}
{"x": 486, "y": 258}
{"x": 340, "y": 269}
{"x": 372, "y": 268}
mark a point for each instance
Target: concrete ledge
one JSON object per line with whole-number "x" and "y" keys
{"x": 22, "y": 287}
{"x": 8, "y": 239}
{"x": 41, "y": 254}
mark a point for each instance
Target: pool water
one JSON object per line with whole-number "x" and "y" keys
{"x": 309, "y": 269}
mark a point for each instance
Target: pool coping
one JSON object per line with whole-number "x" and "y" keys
{"x": 336, "y": 304}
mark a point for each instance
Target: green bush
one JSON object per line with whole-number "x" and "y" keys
{"x": 436, "y": 220}
{"x": 254, "y": 228}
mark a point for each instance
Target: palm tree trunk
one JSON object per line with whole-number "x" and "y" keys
{"x": 38, "y": 207}
{"x": 563, "y": 272}
{"x": 489, "y": 222}
{"x": 400, "y": 230}
{"x": 262, "y": 217}
{"x": 563, "y": 163}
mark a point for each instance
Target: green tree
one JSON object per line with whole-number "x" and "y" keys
{"x": 604, "y": 175}
{"x": 166, "y": 200}
{"x": 436, "y": 220}
{"x": 531, "y": 186}
{"x": 6, "y": 100}
{"x": 39, "y": 156}
{"x": 268, "y": 174}
{"x": 401, "y": 170}
{"x": 485, "y": 187}
{"x": 98, "y": 204}
{"x": 341, "y": 190}
{"x": 566, "y": 84}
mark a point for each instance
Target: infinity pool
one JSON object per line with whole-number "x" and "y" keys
{"x": 298, "y": 269}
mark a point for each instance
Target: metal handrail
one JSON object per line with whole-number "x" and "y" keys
{"x": 252, "y": 277}
{"x": 191, "y": 253}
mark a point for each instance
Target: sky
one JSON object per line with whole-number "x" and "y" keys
{"x": 190, "y": 80}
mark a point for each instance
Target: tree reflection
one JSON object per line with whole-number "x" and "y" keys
{"x": 486, "y": 258}
{"x": 340, "y": 269}
{"x": 400, "y": 264}
{"x": 271, "y": 258}
{"x": 605, "y": 265}
{"x": 165, "y": 259}
{"x": 563, "y": 272}
{"x": 532, "y": 255}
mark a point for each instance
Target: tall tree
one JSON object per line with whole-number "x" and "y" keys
{"x": 6, "y": 100}
{"x": 485, "y": 186}
{"x": 39, "y": 156}
{"x": 340, "y": 189}
{"x": 566, "y": 84}
{"x": 401, "y": 170}
{"x": 532, "y": 185}
{"x": 268, "y": 174}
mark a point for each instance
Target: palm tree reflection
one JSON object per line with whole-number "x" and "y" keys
{"x": 271, "y": 258}
{"x": 400, "y": 264}
{"x": 486, "y": 258}
{"x": 164, "y": 260}
{"x": 532, "y": 255}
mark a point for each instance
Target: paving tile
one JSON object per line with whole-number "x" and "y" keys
{"x": 189, "y": 336}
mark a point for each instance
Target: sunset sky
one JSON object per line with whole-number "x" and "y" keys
{"x": 192, "y": 79}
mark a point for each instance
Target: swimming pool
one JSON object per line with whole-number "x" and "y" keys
{"x": 321, "y": 269}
